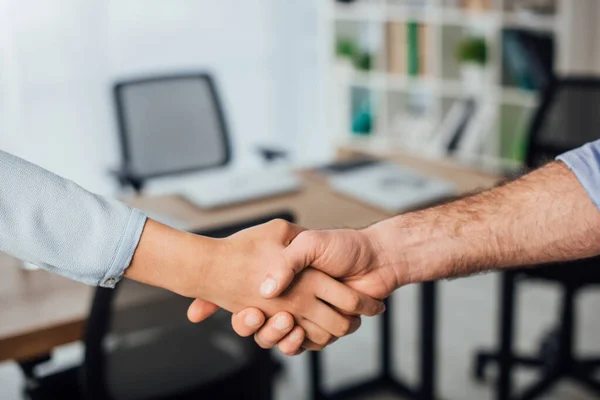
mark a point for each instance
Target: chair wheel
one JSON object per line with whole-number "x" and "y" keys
{"x": 481, "y": 361}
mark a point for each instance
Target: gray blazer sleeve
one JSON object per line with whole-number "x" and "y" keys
{"x": 59, "y": 226}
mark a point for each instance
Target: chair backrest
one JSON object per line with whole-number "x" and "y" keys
{"x": 170, "y": 125}
{"x": 567, "y": 117}
{"x": 139, "y": 343}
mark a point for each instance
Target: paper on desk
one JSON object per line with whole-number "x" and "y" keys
{"x": 391, "y": 187}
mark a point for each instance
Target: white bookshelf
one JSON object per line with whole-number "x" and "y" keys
{"x": 441, "y": 84}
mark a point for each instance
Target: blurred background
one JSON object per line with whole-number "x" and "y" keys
{"x": 213, "y": 116}
{"x": 59, "y": 61}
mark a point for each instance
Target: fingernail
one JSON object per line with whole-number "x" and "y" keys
{"x": 296, "y": 336}
{"x": 281, "y": 323}
{"x": 268, "y": 287}
{"x": 381, "y": 309}
{"x": 251, "y": 320}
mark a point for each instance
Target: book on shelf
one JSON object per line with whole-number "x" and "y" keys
{"x": 424, "y": 48}
{"x": 477, "y": 131}
{"x": 408, "y": 49}
{"x": 476, "y": 5}
{"x": 396, "y": 48}
{"x": 412, "y": 34}
{"x": 446, "y": 137}
{"x": 464, "y": 129}
{"x": 528, "y": 58}
{"x": 466, "y": 110}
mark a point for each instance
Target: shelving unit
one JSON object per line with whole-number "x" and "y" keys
{"x": 432, "y": 93}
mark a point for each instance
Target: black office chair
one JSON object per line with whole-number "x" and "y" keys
{"x": 139, "y": 345}
{"x": 172, "y": 125}
{"x": 567, "y": 117}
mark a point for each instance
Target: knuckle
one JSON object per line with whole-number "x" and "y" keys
{"x": 307, "y": 237}
{"x": 280, "y": 225}
{"x": 323, "y": 339}
{"x": 287, "y": 350}
{"x": 344, "y": 327}
{"x": 242, "y": 332}
{"x": 354, "y": 302}
{"x": 262, "y": 343}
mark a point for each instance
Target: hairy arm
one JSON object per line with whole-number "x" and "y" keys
{"x": 545, "y": 216}
{"x": 549, "y": 215}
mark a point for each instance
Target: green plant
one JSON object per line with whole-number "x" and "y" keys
{"x": 472, "y": 50}
{"x": 363, "y": 61}
{"x": 346, "y": 48}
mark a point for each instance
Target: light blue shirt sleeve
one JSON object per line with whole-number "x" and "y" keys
{"x": 57, "y": 225}
{"x": 585, "y": 164}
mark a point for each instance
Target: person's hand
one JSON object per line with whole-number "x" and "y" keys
{"x": 319, "y": 303}
{"x": 354, "y": 256}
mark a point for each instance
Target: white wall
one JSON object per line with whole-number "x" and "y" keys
{"x": 60, "y": 57}
{"x": 298, "y": 63}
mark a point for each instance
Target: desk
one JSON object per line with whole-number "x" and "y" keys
{"x": 40, "y": 311}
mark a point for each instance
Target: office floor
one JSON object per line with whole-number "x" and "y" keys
{"x": 468, "y": 310}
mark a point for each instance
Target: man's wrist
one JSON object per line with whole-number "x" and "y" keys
{"x": 413, "y": 247}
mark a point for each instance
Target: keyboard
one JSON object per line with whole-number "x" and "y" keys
{"x": 224, "y": 190}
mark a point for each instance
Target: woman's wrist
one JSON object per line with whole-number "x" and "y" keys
{"x": 174, "y": 260}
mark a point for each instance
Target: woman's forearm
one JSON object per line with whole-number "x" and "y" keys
{"x": 59, "y": 226}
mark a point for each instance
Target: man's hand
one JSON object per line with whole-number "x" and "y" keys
{"x": 354, "y": 256}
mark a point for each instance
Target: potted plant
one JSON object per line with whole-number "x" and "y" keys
{"x": 472, "y": 54}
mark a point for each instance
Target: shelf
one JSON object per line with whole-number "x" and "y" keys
{"x": 358, "y": 12}
{"x": 459, "y": 17}
{"x": 433, "y": 94}
{"x": 407, "y": 13}
{"x": 442, "y": 16}
{"x": 368, "y": 80}
{"x": 531, "y": 22}
{"x": 445, "y": 88}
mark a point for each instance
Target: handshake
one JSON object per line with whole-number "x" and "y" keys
{"x": 313, "y": 286}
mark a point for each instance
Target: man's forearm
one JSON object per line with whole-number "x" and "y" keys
{"x": 545, "y": 216}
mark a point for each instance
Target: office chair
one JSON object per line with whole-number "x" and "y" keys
{"x": 193, "y": 137}
{"x": 568, "y": 117}
{"x": 172, "y": 125}
{"x": 139, "y": 345}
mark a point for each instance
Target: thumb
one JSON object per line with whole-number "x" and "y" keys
{"x": 200, "y": 309}
{"x": 302, "y": 252}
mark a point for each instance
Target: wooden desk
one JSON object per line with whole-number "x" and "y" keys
{"x": 40, "y": 311}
